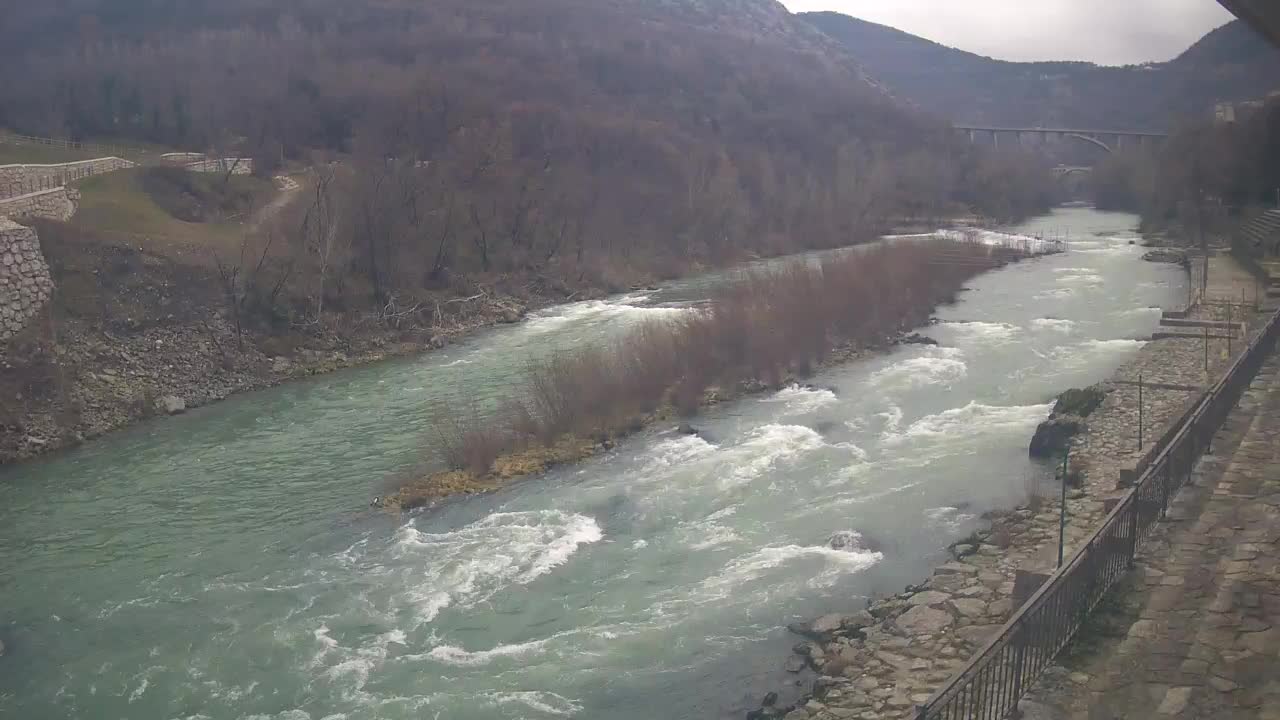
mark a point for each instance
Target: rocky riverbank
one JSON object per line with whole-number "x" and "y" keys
{"x": 883, "y": 661}
{"x": 93, "y": 379}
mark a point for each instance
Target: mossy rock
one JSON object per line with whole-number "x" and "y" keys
{"x": 1080, "y": 402}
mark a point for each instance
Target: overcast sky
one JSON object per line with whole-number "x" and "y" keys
{"x": 1108, "y": 32}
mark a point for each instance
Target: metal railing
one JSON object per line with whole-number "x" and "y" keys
{"x": 105, "y": 149}
{"x": 995, "y": 678}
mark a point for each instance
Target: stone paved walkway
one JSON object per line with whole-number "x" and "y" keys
{"x": 1206, "y": 641}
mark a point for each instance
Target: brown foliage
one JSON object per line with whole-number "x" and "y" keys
{"x": 567, "y": 143}
{"x": 762, "y": 325}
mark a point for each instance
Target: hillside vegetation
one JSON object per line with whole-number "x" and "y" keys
{"x": 579, "y": 145}
{"x": 1231, "y": 63}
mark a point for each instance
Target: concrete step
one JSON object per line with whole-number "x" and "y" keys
{"x": 1192, "y": 335}
{"x": 1194, "y": 323}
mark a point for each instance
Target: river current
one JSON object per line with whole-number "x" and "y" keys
{"x": 225, "y": 563}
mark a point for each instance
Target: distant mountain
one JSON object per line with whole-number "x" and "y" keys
{"x": 1231, "y": 63}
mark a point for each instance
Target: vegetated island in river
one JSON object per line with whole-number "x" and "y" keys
{"x": 761, "y": 330}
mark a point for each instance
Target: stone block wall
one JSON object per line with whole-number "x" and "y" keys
{"x": 56, "y": 204}
{"x": 25, "y": 179}
{"x": 238, "y": 166}
{"x": 25, "y": 283}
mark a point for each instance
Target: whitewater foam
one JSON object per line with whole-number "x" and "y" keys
{"x": 1054, "y": 294}
{"x": 947, "y": 516}
{"x": 677, "y": 451}
{"x": 983, "y": 332}
{"x": 1053, "y": 324}
{"x": 752, "y": 567}
{"x": 800, "y": 399}
{"x": 920, "y": 371}
{"x": 892, "y": 419}
{"x": 541, "y": 701}
{"x": 1084, "y": 278}
{"x": 556, "y": 318}
{"x": 451, "y": 655}
{"x": 764, "y": 447}
{"x": 972, "y": 419}
{"x": 472, "y": 564}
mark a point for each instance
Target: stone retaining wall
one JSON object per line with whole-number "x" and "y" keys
{"x": 238, "y": 166}
{"x": 25, "y": 179}
{"x": 56, "y": 204}
{"x": 25, "y": 284}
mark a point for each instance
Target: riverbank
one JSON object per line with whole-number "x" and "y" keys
{"x": 75, "y": 381}
{"x": 884, "y": 661}
{"x": 764, "y": 330}
{"x": 120, "y": 345}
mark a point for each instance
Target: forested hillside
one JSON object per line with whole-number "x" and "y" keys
{"x": 1231, "y": 63}
{"x": 579, "y": 139}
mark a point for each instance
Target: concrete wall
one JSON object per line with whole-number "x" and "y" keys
{"x": 238, "y": 166}
{"x": 182, "y": 158}
{"x": 24, "y": 179}
{"x": 25, "y": 284}
{"x": 56, "y": 204}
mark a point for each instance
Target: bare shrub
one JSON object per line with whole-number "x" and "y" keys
{"x": 760, "y": 326}
{"x": 468, "y": 440}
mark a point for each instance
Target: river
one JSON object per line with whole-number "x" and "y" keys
{"x": 225, "y": 563}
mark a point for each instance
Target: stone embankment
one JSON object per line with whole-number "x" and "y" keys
{"x": 25, "y": 284}
{"x": 1196, "y": 634}
{"x": 25, "y": 179}
{"x": 236, "y": 166}
{"x": 57, "y": 204}
{"x": 885, "y": 661}
{"x": 118, "y": 376}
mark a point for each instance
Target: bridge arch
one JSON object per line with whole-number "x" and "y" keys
{"x": 1089, "y": 139}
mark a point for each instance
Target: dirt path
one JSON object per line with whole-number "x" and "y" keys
{"x": 288, "y": 191}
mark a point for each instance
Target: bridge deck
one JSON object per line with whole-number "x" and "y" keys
{"x": 1067, "y": 131}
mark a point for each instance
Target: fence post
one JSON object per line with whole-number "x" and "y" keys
{"x": 1140, "y": 424}
{"x": 1206, "y": 350}
{"x": 1133, "y": 531}
{"x": 1062, "y": 509}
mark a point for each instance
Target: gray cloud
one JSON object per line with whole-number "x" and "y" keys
{"x": 1108, "y": 32}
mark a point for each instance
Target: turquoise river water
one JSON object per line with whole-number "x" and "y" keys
{"x": 226, "y": 563}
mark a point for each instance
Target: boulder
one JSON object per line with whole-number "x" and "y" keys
{"x": 918, "y": 339}
{"x": 827, "y": 624}
{"x": 845, "y": 540}
{"x": 172, "y": 405}
{"x": 924, "y": 620}
{"x": 1080, "y": 402}
{"x": 1166, "y": 255}
{"x": 928, "y": 597}
{"x": 976, "y": 634}
{"x": 280, "y": 365}
{"x": 687, "y": 429}
{"x": 1053, "y": 436}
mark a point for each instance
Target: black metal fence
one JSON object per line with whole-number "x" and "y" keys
{"x": 989, "y": 686}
